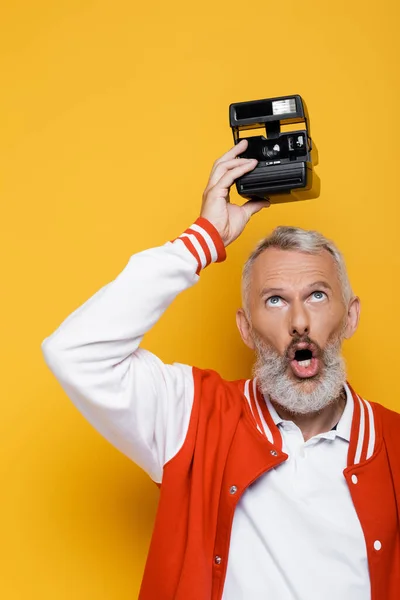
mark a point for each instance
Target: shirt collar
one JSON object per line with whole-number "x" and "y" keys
{"x": 343, "y": 428}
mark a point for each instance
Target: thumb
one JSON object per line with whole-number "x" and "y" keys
{"x": 254, "y": 206}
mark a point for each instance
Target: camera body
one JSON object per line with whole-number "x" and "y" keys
{"x": 285, "y": 162}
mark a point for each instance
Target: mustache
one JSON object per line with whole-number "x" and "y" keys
{"x": 302, "y": 339}
{"x": 328, "y": 355}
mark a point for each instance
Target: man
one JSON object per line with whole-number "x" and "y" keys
{"x": 286, "y": 486}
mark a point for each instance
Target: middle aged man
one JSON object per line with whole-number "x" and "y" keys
{"x": 285, "y": 486}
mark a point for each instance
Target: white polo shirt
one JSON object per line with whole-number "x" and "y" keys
{"x": 295, "y": 534}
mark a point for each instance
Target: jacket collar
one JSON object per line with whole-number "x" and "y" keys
{"x": 357, "y": 424}
{"x": 363, "y": 431}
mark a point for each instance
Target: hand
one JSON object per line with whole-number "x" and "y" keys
{"x": 229, "y": 219}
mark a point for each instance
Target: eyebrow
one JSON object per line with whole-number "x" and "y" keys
{"x": 320, "y": 284}
{"x": 266, "y": 291}
{"x": 323, "y": 284}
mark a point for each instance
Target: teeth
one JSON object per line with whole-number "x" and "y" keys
{"x": 304, "y": 363}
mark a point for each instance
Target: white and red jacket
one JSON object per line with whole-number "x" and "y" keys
{"x": 198, "y": 435}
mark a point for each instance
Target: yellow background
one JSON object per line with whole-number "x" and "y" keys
{"x": 111, "y": 115}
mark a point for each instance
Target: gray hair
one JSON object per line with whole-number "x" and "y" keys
{"x": 302, "y": 240}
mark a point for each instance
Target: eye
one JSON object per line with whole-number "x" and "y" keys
{"x": 318, "y": 296}
{"x": 274, "y": 301}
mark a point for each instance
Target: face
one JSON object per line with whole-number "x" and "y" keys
{"x": 297, "y": 321}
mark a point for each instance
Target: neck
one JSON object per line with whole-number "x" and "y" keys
{"x": 315, "y": 423}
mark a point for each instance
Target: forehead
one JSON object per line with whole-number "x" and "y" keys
{"x": 293, "y": 269}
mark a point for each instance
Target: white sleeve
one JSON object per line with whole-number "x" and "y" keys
{"x": 136, "y": 402}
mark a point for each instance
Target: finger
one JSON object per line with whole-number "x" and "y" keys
{"x": 232, "y": 153}
{"x": 223, "y": 167}
{"x": 230, "y": 176}
{"x": 254, "y": 206}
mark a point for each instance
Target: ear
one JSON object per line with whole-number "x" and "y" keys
{"x": 244, "y": 328}
{"x": 353, "y": 317}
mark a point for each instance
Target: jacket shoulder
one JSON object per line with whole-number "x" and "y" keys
{"x": 390, "y": 419}
{"x": 213, "y": 379}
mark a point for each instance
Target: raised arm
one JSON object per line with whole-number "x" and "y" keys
{"x": 139, "y": 404}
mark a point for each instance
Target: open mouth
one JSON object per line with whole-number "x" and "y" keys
{"x": 304, "y": 360}
{"x": 303, "y": 357}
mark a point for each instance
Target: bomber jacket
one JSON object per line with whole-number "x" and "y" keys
{"x": 202, "y": 439}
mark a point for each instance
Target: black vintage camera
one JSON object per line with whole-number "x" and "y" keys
{"x": 285, "y": 157}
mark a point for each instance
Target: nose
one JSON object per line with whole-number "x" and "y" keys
{"x": 299, "y": 320}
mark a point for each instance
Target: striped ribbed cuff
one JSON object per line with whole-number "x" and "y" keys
{"x": 204, "y": 242}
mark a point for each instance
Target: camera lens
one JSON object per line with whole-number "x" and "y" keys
{"x": 271, "y": 151}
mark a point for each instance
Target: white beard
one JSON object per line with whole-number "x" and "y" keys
{"x": 271, "y": 371}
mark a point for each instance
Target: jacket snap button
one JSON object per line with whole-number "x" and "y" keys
{"x": 233, "y": 489}
{"x": 274, "y": 453}
{"x": 354, "y": 478}
{"x": 377, "y": 545}
{"x": 217, "y": 560}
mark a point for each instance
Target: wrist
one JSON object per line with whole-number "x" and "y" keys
{"x": 204, "y": 242}
{"x": 215, "y": 236}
